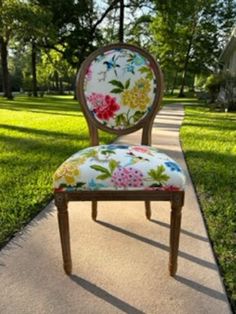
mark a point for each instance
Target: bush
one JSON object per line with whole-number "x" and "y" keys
{"x": 222, "y": 84}
{"x": 213, "y": 84}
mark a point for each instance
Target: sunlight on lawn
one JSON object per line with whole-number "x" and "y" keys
{"x": 36, "y": 136}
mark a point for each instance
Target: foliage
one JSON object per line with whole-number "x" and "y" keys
{"x": 54, "y": 72}
{"x": 213, "y": 84}
{"x": 225, "y": 83}
{"x": 158, "y": 174}
{"x": 37, "y": 135}
{"x": 208, "y": 140}
{"x": 188, "y": 37}
{"x": 74, "y": 26}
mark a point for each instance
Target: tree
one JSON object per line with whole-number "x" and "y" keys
{"x": 34, "y": 29}
{"x": 187, "y": 36}
{"x": 54, "y": 71}
{"x": 76, "y": 27}
{"x": 20, "y": 19}
{"x": 121, "y": 24}
{"x": 7, "y": 25}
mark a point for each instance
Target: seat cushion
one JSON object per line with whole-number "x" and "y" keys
{"x": 119, "y": 167}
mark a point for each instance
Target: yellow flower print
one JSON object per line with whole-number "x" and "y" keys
{"x": 68, "y": 171}
{"x": 137, "y": 97}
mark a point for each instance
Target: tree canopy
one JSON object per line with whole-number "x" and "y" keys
{"x": 56, "y": 35}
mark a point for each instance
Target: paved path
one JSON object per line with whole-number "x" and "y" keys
{"x": 120, "y": 264}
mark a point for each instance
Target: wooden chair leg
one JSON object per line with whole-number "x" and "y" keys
{"x": 175, "y": 224}
{"x": 94, "y": 210}
{"x": 63, "y": 222}
{"x": 148, "y": 209}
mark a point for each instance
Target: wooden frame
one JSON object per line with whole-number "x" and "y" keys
{"x": 176, "y": 198}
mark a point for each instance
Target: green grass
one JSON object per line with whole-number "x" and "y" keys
{"x": 36, "y": 136}
{"x": 209, "y": 144}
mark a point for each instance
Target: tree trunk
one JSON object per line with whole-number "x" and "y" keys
{"x": 6, "y": 84}
{"x": 61, "y": 86}
{"x": 56, "y": 76}
{"x": 121, "y": 27}
{"x": 181, "y": 92}
{"x": 174, "y": 83}
{"x": 34, "y": 72}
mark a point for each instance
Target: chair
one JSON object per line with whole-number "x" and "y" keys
{"x": 120, "y": 90}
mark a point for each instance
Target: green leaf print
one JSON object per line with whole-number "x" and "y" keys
{"x": 147, "y": 71}
{"x": 103, "y": 176}
{"x": 127, "y": 83}
{"x": 117, "y": 84}
{"x": 79, "y": 184}
{"x": 116, "y": 90}
{"x": 138, "y": 115}
{"x": 121, "y": 120}
{"x": 101, "y": 169}
{"x": 107, "y": 152}
{"x": 158, "y": 174}
{"x": 113, "y": 164}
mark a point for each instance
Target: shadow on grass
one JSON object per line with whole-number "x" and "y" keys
{"x": 184, "y": 101}
{"x": 41, "y": 146}
{"x": 43, "y": 132}
{"x": 48, "y": 143}
{"x": 43, "y": 105}
{"x": 104, "y": 295}
{"x": 216, "y": 126}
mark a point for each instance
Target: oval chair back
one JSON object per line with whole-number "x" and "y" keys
{"x": 120, "y": 89}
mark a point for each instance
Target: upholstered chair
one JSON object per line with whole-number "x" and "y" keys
{"x": 119, "y": 88}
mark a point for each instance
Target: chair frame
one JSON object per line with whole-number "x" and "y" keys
{"x": 176, "y": 198}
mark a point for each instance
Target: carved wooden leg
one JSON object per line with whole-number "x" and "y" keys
{"x": 94, "y": 210}
{"x": 176, "y": 207}
{"x": 148, "y": 209}
{"x": 63, "y": 222}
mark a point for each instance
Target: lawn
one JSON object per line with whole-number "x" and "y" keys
{"x": 209, "y": 144}
{"x": 36, "y": 136}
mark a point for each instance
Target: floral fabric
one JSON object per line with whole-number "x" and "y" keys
{"x": 119, "y": 87}
{"x": 119, "y": 167}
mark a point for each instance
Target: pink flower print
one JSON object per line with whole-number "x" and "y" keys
{"x": 171, "y": 188}
{"x": 141, "y": 149}
{"x": 88, "y": 74}
{"x": 104, "y": 106}
{"x": 127, "y": 177}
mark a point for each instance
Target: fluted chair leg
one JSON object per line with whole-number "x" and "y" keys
{"x": 148, "y": 209}
{"x": 94, "y": 210}
{"x": 174, "y": 236}
{"x": 63, "y": 222}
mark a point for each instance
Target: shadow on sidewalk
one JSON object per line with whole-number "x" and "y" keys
{"x": 161, "y": 246}
{"x": 106, "y": 296}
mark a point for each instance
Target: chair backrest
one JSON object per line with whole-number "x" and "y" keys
{"x": 120, "y": 88}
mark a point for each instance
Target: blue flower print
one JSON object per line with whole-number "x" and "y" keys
{"x": 114, "y": 146}
{"x": 130, "y": 68}
{"x": 92, "y": 185}
{"x": 173, "y": 166}
{"x": 138, "y": 60}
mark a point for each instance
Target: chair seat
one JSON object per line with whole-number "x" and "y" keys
{"x": 119, "y": 167}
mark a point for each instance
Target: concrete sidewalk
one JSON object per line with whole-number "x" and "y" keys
{"x": 120, "y": 264}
